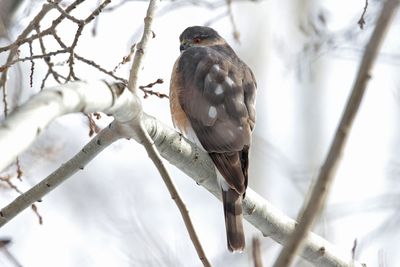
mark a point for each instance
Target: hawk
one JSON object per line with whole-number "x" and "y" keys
{"x": 212, "y": 101}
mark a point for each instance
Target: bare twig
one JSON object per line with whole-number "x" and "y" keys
{"x": 96, "y": 21}
{"x": 19, "y": 169}
{"x": 361, "y": 21}
{"x": 94, "y": 64}
{"x": 88, "y": 152}
{"x": 148, "y": 92}
{"x": 63, "y": 12}
{"x": 7, "y": 180}
{"x": 353, "y": 249}
{"x": 3, "y": 246}
{"x": 156, "y": 158}
{"x": 320, "y": 190}
{"x": 97, "y": 11}
{"x": 141, "y": 47}
{"x": 150, "y": 85}
{"x": 126, "y": 58}
{"x": 32, "y": 65}
{"x": 93, "y": 128}
{"x": 47, "y": 60}
{"x": 236, "y": 34}
{"x": 35, "y": 210}
{"x": 34, "y": 57}
{"x": 145, "y": 138}
{"x": 43, "y": 84}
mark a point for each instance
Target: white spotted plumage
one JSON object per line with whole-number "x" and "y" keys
{"x": 212, "y": 112}
{"x": 229, "y": 81}
{"x": 219, "y": 90}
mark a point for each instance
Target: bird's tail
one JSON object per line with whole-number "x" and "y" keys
{"x": 233, "y": 220}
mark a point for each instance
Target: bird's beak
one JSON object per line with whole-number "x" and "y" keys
{"x": 184, "y": 44}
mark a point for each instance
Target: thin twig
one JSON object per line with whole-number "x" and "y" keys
{"x": 78, "y": 162}
{"x": 19, "y": 169}
{"x": 156, "y": 158}
{"x": 236, "y": 34}
{"x": 320, "y": 190}
{"x": 14, "y": 49}
{"x": 97, "y": 66}
{"x": 353, "y": 249}
{"x": 93, "y": 128}
{"x": 43, "y": 84}
{"x": 35, "y": 210}
{"x": 148, "y": 92}
{"x": 7, "y": 180}
{"x": 47, "y": 60}
{"x": 146, "y": 139}
{"x": 63, "y": 12}
{"x": 141, "y": 47}
{"x": 361, "y": 21}
{"x": 3, "y": 246}
{"x": 126, "y": 58}
{"x": 32, "y": 64}
{"x": 34, "y": 57}
{"x": 97, "y": 11}
{"x": 96, "y": 22}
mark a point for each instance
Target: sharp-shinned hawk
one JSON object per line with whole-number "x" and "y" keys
{"x": 212, "y": 101}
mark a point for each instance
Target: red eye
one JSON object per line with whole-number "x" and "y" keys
{"x": 196, "y": 40}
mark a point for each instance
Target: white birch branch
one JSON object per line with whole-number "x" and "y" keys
{"x": 191, "y": 160}
{"x": 259, "y": 212}
{"x": 22, "y": 127}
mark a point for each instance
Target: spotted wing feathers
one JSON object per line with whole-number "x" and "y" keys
{"x": 214, "y": 99}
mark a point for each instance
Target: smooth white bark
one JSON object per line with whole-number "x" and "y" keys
{"x": 258, "y": 211}
{"x": 23, "y": 125}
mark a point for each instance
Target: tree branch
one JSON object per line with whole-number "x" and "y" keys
{"x": 319, "y": 191}
{"x": 141, "y": 47}
{"x": 78, "y": 162}
{"x": 145, "y": 139}
{"x": 22, "y": 127}
{"x": 195, "y": 163}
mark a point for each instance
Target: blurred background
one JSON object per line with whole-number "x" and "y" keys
{"x": 117, "y": 211}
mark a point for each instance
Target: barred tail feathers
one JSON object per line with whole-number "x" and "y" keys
{"x": 232, "y": 201}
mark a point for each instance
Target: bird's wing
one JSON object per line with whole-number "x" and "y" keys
{"x": 217, "y": 94}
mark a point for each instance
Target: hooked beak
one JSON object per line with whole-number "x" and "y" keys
{"x": 184, "y": 45}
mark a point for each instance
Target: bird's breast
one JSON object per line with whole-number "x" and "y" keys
{"x": 179, "y": 118}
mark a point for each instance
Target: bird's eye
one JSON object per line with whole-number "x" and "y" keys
{"x": 196, "y": 40}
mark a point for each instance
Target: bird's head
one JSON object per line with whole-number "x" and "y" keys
{"x": 199, "y": 36}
